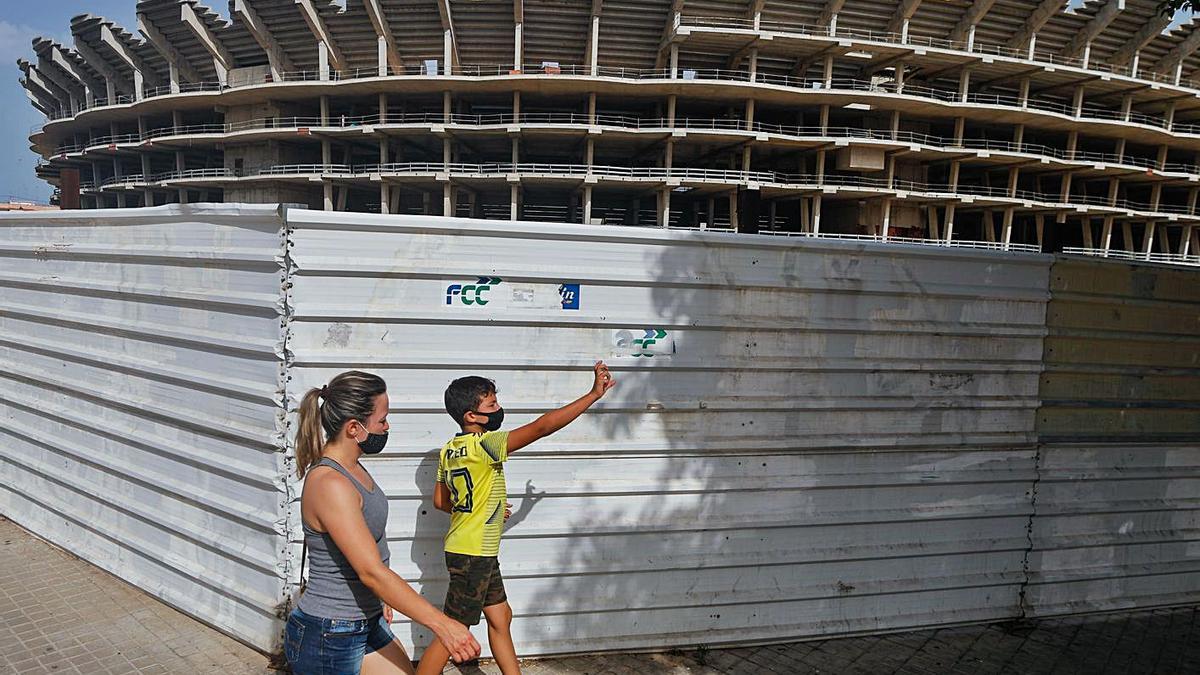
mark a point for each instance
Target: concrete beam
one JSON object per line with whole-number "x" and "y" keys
{"x": 904, "y": 12}
{"x": 829, "y": 12}
{"x": 43, "y": 105}
{"x": 113, "y": 77}
{"x": 222, "y": 59}
{"x": 1093, "y": 28}
{"x": 964, "y": 29}
{"x": 59, "y": 58}
{"x": 1034, "y": 23}
{"x": 143, "y": 74}
{"x": 321, "y": 32}
{"x": 37, "y": 84}
{"x": 1149, "y": 30}
{"x": 1174, "y": 58}
{"x": 74, "y": 89}
{"x": 178, "y": 63}
{"x": 383, "y": 31}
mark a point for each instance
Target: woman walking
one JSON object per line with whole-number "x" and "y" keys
{"x": 339, "y": 626}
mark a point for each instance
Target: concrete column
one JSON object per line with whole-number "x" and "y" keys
{"x": 383, "y": 108}
{"x": 1023, "y": 96}
{"x": 518, "y": 47}
{"x": 671, "y": 101}
{"x": 323, "y": 60}
{"x": 1019, "y": 137}
{"x": 1006, "y": 227}
{"x": 447, "y": 107}
{"x": 592, "y": 108}
{"x": 964, "y": 85}
{"x": 447, "y": 199}
{"x": 514, "y": 194}
{"x": 594, "y": 55}
{"x": 733, "y": 211}
{"x": 1072, "y": 143}
{"x": 816, "y": 213}
{"x": 949, "y": 226}
{"x": 324, "y": 111}
{"x": 1077, "y": 102}
{"x": 1106, "y": 235}
{"x": 447, "y": 52}
{"x": 381, "y": 55}
{"x": 587, "y": 204}
{"x": 886, "y": 225}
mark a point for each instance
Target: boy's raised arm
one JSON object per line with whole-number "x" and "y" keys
{"x": 557, "y": 419}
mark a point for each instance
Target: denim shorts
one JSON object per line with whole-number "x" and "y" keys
{"x": 316, "y": 646}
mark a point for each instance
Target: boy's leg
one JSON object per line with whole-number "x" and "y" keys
{"x": 469, "y": 576}
{"x": 433, "y": 661}
{"x": 499, "y": 620}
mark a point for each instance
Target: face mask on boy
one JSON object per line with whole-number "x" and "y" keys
{"x": 495, "y": 419}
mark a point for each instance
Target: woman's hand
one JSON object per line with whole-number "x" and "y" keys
{"x": 507, "y": 511}
{"x": 387, "y": 614}
{"x": 457, "y": 640}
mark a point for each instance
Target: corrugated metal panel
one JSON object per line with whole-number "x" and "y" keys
{"x": 829, "y": 437}
{"x": 1118, "y": 503}
{"x": 140, "y": 403}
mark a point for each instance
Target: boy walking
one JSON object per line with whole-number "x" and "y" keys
{"x": 471, "y": 488}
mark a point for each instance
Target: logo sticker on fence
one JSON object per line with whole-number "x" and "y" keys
{"x": 643, "y": 343}
{"x": 570, "y": 295}
{"x": 471, "y": 294}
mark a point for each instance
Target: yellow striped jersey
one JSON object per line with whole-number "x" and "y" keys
{"x": 472, "y": 467}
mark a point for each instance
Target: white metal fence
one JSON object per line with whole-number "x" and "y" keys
{"x": 140, "y": 402}
{"x": 809, "y": 436}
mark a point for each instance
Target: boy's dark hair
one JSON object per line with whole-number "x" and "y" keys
{"x": 465, "y": 393}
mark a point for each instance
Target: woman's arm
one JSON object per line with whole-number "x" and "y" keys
{"x": 339, "y": 510}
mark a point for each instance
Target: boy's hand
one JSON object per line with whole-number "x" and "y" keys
{"x": 603, "y": 381}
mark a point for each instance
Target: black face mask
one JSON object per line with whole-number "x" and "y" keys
{"x": 373, "y": 444}
{"x": 495, "y": 419}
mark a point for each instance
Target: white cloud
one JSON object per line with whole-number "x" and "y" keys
{"x": 15, "y": 42}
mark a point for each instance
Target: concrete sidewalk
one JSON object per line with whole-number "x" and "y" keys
{"x": 61, "y": 615}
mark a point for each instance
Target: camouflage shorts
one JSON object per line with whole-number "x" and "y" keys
{"x": 475, "y": 583}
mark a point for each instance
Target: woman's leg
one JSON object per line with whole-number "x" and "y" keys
{"x": 391, "y": 660}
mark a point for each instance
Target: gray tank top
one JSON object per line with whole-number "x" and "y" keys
{"x": 334, "y": 590}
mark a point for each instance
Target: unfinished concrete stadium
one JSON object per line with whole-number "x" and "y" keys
{"x": 1010, "y": 124}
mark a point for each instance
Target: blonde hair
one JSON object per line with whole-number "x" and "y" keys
{"x": 349, "y": 396}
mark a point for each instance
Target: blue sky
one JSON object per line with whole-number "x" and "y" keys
{"x": 20, "y": 22}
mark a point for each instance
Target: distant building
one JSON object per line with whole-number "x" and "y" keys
{"x": 1007, "y": 121}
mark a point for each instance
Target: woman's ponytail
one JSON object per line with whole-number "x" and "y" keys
{"x": 309, "y": 438}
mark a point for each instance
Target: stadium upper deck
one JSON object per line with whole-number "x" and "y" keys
{"x": 1007, "y": 123}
